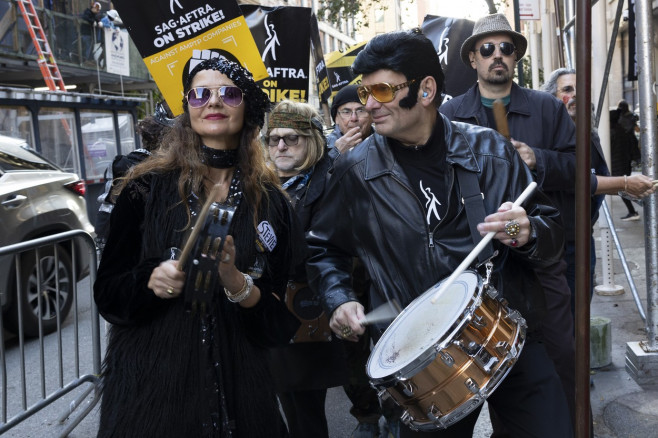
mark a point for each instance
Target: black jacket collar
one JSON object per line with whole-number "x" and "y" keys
{"x": 380, "y": 160}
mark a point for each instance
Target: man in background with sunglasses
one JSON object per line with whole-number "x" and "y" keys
{"x": 353, "y": 123}
{"x": 545, "y": 137}
{"x": 395, "y": 201}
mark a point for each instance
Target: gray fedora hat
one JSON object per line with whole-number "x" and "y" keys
{"x": 490, "y": 25}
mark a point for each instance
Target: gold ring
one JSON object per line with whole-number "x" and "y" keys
{"x": 512, "y": 228}
{"x": 346, "y": 330}
{"x": 170, "y": 291}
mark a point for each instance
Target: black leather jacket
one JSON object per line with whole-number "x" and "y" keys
{"x": 541, "y": 121}
{"x": 371, "y": 212}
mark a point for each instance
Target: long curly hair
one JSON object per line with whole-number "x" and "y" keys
{"x": 180, "y": 147}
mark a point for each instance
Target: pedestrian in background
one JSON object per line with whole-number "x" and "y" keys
{"x": 561, "y": 83}
{"x": 624, "y": 149}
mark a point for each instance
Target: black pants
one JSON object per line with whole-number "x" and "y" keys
{"x": 558, "y": 329}
{"x": 310, "y": 404}
{"x": 629, "y": 206}
{"x": 530, "y": 401}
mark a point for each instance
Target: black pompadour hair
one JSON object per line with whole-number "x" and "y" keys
{"x": 408, "y": 52}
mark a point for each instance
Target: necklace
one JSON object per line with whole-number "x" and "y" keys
{"x": 219, "y": 158}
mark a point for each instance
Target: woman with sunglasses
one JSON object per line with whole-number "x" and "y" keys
{"x": 173, "y": 372}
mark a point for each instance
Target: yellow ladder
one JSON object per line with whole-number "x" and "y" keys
{"x": 46, "y": 60}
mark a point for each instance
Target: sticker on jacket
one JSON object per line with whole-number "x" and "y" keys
{"x": 266, "y": 235}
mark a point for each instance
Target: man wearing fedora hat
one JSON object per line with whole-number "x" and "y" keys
{"x": 545, "y": 137}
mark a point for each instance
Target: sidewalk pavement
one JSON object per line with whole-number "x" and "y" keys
{"x": 622, "y": 408}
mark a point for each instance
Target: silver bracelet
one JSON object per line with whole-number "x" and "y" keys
{"x": 244, "y": 293}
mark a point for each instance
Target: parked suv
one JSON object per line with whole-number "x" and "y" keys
{"x": 37, "y": 199}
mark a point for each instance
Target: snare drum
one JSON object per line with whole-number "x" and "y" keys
{"x": 441, "y": 361}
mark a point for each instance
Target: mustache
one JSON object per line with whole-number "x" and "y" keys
{"x": 498, "y": 63}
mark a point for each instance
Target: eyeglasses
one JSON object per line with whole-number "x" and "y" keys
{"x": 382, "y": 92}
{"x": 488, "y": 49}
{"x": 274, "y": 140}
{"x": 360, "y": 113}
{"x": 199, "y": 96}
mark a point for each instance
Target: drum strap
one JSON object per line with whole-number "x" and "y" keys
{"x": 473, "y": 200}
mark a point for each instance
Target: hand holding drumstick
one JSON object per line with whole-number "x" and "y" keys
{"x": 511, "y": 230}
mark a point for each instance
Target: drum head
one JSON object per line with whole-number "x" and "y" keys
{"x": 421, "y": 325}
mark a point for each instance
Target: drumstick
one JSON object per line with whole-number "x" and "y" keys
{"x": 501, "y": 118}
{"x": 200, "y": 221}
{"x": 386, "y": 312}
{"x": 479, "y": 247}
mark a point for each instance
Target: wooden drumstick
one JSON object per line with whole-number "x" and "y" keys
{"x": 200, "y": 221}
{"x": 479, "y": 247}
{"x": 501, "y": 118}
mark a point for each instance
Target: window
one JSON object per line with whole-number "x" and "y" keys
{"x": 17, "y": 122}
{"x": 59, "y": 143}
{"x": 126, "y": 133}
{"x": 99, "y": 142}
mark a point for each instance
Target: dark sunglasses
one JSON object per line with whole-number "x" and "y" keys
{"x": 199, "y": 96}
{"x": 382, "y": 92}
{"x": 274, "y": 140}
{"x": 488, "y": 49}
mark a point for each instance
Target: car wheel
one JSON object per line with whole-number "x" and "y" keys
{"x": 49, "y": 289}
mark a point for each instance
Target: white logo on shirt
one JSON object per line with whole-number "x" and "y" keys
{"x": 432, "y": 203}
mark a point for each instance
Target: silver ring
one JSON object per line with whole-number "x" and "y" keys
{"x": 512, "y": 228}
{"x": 227, "y": 258}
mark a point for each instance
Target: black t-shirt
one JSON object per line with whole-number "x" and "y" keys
{"x": 425, "y": 167}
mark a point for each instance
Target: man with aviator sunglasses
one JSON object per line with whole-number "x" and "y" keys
{"x": 545, "y": 138}
{"x": 396, "y": 203}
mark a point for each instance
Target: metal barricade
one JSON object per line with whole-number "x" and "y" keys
{"x": 32, "y": 380}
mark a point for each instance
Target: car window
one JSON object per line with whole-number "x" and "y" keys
{"x": 17, "y": 158}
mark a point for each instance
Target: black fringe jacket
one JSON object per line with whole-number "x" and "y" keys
{"x": 169, "y": 373}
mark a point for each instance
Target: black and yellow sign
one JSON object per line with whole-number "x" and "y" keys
{"x": 339, "y": 65}
{"x": 174, "y": 36}
{"x": 448, "y": 35}
{"x": 284, "y": 48}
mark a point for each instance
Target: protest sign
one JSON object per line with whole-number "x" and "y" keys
{"x": 173, "y": 37}
{"x": 339, "y": 67}
{"x": 284, "y": 48}
{"x": 448, "y": 35}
